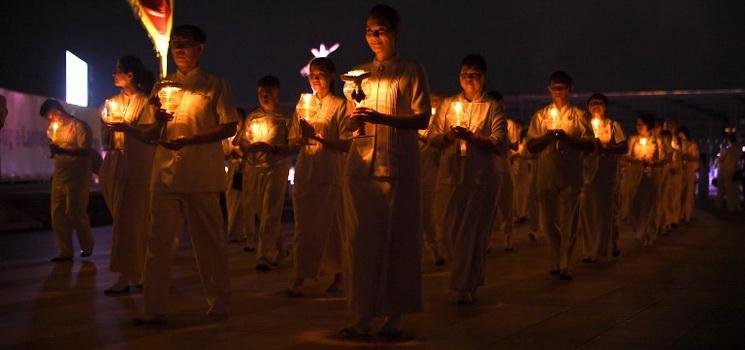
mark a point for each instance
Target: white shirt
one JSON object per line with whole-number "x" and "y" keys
{"x": 396, "y": 87}
{"x": 207, "y": 103}
{"x": 71, "y": 133}
{"x": 472, "y": 164}
{"x": 317, "y": 164}
{"x": 560, "y": 164}
{"x": 270, "y": 128}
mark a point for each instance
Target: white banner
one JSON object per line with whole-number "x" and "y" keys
{"x": 24, "y": 147}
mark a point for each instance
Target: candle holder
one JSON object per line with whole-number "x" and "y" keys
{"x": 170, "y": 94}
{"x": 358, "y": 95}
{"x": 307, "y": 109}
{"x": 113, "y": 113}
{"x": 461, "y": 122}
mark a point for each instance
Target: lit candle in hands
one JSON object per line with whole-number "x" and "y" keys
{"x": 554, "y": 121}
{"x": 460, "y": 123}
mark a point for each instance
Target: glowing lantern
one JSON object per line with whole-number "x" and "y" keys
{"x": 358, "y": 95}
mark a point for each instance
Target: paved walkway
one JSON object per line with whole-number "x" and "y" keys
{"x": 688, "y": 291}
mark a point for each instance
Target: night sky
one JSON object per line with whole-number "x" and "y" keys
{"x": 605, "y": 45}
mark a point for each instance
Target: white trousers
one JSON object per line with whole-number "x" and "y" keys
{"x": 467, "y": 219}
{"x": 69, "y": 206}
{"x": 504, "y": 211}
{"x": 559, "y": 209}
{"x": 234, "y": 203}
{"x": 264, "y": 191}
{"x": 204, "y": 222}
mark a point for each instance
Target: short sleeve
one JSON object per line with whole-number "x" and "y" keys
{"x": 498, "y": 133}
{"x": 536, "y": 128}
{"x": 84, "y": 136}
{"x": 420, "y": 91}
{"x": 224, "y": 105}
{"x": 618, "y": 135}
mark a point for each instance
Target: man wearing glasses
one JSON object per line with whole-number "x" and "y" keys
{"x": 188, "y": 177}
{"x": 559, "y": 133}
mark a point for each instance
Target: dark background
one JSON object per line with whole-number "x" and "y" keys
{"x": 605, "y": 45}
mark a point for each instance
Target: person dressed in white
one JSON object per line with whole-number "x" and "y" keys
{"x": 318, "y": 130}
{"x": 504, "y": 211}
{"x": 671, "y": 192}
{"x": 264, "y": 141}
{"x": 560, "y": 133}
{"x": 645, "y": 155}
{"x": 470, "y": 128}
{"x": 674, "y": 190}
{"x": 430, "y": 158}
{"x": 690, "y": 168}
{"x": 728, "y": 184}
{"x": 381, "y": 186}
{"x": 187, "y": 179}
{"x": 70, "y": 147}
{"x": 526, "y": 202}
{"x": 125, "y": 174}
{"x": 236, "y": 229}
{"x": 662, "y": 177}
{"x": 599, "y": 200}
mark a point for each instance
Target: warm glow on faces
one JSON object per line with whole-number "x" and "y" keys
{"x": 559, "y": 93}
{"x": 320, "y": 80}
{"x": 472, "y": 81}
{"x": 185, "y": 52}
{"x": 597, "y": 109}
{"x": 641, "y": 128}
{"x": 380, "y": 38}
{"x": 121, "y": 79}
{"x": 268, "y": 98}
{"x": 53, "y": 115}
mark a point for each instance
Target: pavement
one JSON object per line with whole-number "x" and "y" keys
{"x": 685, "y": 292}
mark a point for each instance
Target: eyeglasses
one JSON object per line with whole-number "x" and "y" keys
{"x": 470, "y": 75}
{"x": 182, "y": 44}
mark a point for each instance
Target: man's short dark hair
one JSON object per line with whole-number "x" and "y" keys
{"x": 269, "y": 81}
{"x": 474, "y": 61}
{"x": 49, "y": 105}
{"x": 598, "y": 97}
{"x": 190, "y": 31}
{"x": 560, "y": 77}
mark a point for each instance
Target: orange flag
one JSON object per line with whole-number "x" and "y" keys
{"x": 157, "y": 18}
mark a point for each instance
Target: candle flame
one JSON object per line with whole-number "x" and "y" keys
{"x": 554, "y": 113}
{"x": 643, "y": 141}
{"x": 595, "y": 123}
{"x": 55, "y": 126}
{"x": 434, "y": 110}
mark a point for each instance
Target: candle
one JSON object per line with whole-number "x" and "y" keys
{"x": 305, "y": 106}
{"x": 458, "y": 110}
{"x": 434, "y": 111}
{"x": 460, "y": 121}
{"x": 258, "y": 132}
{"x": 554, "y": 115}
{"x": 643, "y": 143}
{"x": 55, "y": 126}
{"x": 596, "y": 127}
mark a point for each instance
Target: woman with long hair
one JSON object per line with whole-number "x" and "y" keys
{"x": 125, "y": 173}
